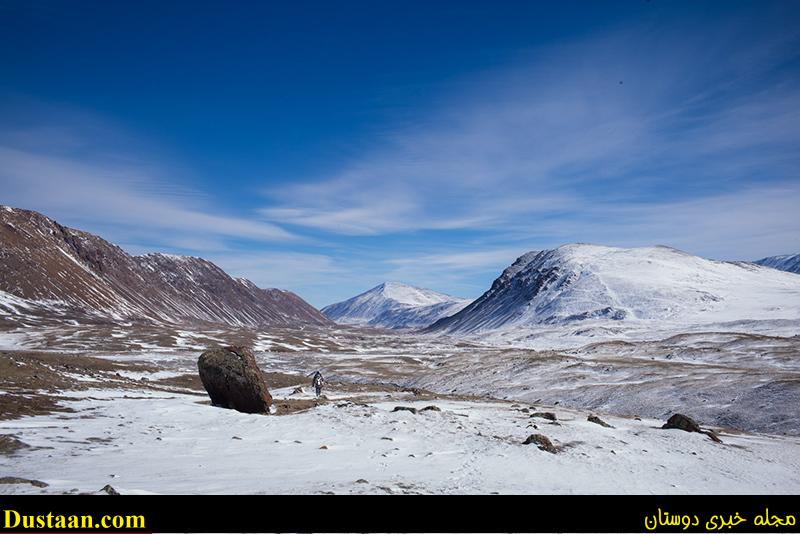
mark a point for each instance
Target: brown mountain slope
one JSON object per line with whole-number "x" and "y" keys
{"x": 74, "y": 273}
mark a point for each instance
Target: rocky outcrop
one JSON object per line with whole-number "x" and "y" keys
{"x": 233, "y": 380}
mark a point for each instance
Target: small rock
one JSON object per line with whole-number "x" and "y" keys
{"x": 325, "y": 447}
{"x": 405, "y": 408}
{"x": 541, "y": 441}
{"x": 687, "y": 424}
{"x": 362, "y": 481}
{"x": 597, "y": 420}
{"x": 297, "y": 391}
{"x": 431, "y": 408}
{"x": 236, "y": 437}
{"x": 109, "y": 490}
{"x": 545, "y": 415}
{"x": 387, "y": 438}
{"x": 682, "y": 422}
{"x": 9, "y": 444}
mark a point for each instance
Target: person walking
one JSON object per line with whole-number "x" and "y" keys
{"x": 318, "y": 381}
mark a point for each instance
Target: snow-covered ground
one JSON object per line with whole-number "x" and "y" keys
{"x": 155, "y": 442}
{"x": 154, "y": 437}
{"x": 574, "y": 336}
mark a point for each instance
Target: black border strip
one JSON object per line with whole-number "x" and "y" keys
{"x": 535, "y": 513}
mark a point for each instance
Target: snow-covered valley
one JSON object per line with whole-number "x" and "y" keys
{"x": 141, "y": 421}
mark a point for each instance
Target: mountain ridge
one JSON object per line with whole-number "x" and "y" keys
{"x": 55, "y": 270}
{"x": 580, "y": 282}
{"x": 786, "y": 262}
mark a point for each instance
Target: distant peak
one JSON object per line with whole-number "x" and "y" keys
{"x": 394, "y": 305}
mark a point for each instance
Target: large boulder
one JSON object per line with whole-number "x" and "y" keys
{"x": 233, "y": 380}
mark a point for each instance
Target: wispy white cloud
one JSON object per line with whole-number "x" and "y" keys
{"x": 459, "y": 260}
{"x": 136, "y": 196}
{"x": 742, "y": 225}
{"x": 647, "y": 118}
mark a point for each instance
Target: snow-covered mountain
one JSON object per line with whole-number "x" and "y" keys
{"x": 47, "y": 269}
{"x": 650, "y": 285}
{"x": 789, "y": 262}
{"x": 395, "y": 305}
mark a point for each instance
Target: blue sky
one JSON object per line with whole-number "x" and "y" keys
{"x": 326, "y": 147}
